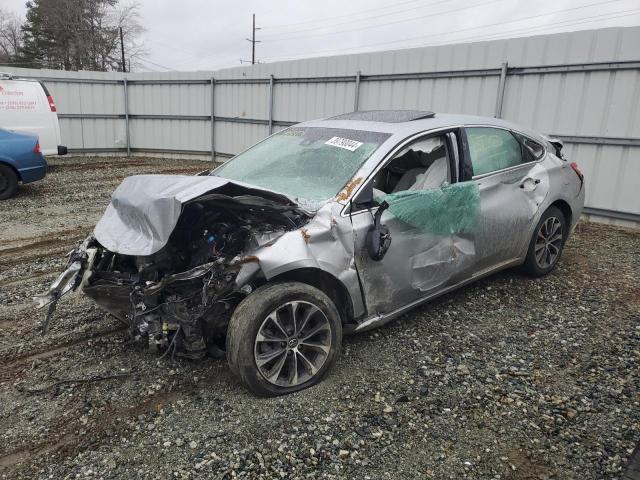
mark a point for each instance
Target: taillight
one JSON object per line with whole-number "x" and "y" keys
{"x": 52, "y": 105}
{"x": 36, "y": 149}
{"x": 576, "y": 169}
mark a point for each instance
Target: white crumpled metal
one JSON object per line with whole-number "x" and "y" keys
{"x": 144, "y": 210}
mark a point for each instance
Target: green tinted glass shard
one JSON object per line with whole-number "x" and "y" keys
{"x": 442, "y": 211}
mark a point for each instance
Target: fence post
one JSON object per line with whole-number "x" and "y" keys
{"x": 356, "y": 94}
{"x": 213, "y": 120}
{"x": 501, "y": 85}
{"x": 126, "y": 116}
{"x": 271, "y": 81}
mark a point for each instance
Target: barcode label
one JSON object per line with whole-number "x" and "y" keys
{"x": 351, "y": 145}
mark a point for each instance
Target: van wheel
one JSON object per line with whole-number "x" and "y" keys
{"x": 283, "y": 337}
{"x": 8, "y": 182}
{"x": 546, "y": 244}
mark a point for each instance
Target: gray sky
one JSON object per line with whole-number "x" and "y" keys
{"x": 210, "y": 34}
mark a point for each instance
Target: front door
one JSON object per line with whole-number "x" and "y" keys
{"x": 430, "y": 221}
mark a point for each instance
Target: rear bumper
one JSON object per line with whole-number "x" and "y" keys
{"x": 33, "y": 174}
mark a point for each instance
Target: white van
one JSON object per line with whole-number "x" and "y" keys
{"x": 26, "y": 106}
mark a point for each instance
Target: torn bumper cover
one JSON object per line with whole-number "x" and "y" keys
{"x": 172, "y": 256}
{"x": 67, "y": 281}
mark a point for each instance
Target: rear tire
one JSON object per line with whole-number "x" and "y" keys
{"x": 8, "y": 182}
{"x": 283, "y": 337}
{"x": 546, "y": 243}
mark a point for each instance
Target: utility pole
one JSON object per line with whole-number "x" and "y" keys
{"x": 124, "y": 65}
{"x": 253, "y": 40}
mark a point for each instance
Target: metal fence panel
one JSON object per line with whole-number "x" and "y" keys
{"x": 245, "y": 101}
{"x": 583, "y": 86}
{"x": 170, "y": 134}
{"x": 235, "y": 137}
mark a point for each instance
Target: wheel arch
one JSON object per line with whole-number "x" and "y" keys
{"x": 325, "y": 282}
{"x": 12, "y": 167}
{"x": 565, "y": 208}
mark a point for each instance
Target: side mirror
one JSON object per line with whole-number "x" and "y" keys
{"x": 378, "y": 237}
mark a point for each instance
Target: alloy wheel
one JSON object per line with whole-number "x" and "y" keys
{"x": 548, "y": 242}
{"x": 292, "y": 344}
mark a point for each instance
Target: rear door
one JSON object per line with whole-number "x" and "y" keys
{"x": 512, "y": 186}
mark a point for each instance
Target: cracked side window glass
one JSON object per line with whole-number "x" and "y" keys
{"x": 310, "y": 163}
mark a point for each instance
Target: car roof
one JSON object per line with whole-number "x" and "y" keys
{"x": 408, "y": 122}
{"x": 385, "y": 116}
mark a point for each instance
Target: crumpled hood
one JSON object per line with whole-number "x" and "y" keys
{"x": 145, "y": 209}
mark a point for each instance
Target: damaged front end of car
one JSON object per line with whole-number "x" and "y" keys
{"x": 172, "y": 258}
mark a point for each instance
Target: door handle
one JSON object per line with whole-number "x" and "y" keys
{"x": 536, "y": 181}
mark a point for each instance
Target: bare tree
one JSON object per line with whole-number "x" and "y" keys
{"x": 10, "y": 37}
{"x": 126, "y": 17}
{"x": 79, "y": 34}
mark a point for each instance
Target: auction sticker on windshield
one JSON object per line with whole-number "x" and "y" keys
{"x": 351, "y": 145}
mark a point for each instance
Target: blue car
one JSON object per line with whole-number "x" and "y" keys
{"x": 20, "y": 161}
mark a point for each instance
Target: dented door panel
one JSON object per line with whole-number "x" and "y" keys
{"x": 510, "y": 204}
{"x": 432, "y": 245}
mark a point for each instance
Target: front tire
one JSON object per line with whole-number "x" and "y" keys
{"x": 8, "y": 182}
{"x": 547, "y": 243}
{"x": 283, "y": 337}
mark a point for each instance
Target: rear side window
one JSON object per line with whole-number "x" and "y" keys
{"x": 533, "y": 150}
{"x": 492, "y": 149}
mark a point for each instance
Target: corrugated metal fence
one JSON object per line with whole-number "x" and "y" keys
{"x": 583, "y": 87}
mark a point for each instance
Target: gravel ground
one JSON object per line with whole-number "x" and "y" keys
{"x": 509, "y": 378}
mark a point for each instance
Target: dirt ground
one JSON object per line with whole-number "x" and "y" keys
{"x": 509, "y": 378}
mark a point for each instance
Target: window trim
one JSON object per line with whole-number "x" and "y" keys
{"x": 503, "y": 170}
{"x": 521, "y": 138}
{"x": 389, "y": 156}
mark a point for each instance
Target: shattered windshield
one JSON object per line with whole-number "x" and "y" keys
{"x": 311, "y": 163}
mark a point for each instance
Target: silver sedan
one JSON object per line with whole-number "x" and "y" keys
{"x": 328, "y": 227}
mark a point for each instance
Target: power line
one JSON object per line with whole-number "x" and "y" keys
{"x": 345, "y": 16}
{"x": 145, "y": 60}
{"x": 595, "y": 18}
{"x": 486, "y": 37}
{"x": 367, "y": 27}
{"x": 350, "y": 22}
{"x": 426, "y": 16}
{"x": 421, "y": 37}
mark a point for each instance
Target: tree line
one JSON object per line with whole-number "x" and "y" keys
{"x": 71, "y": 35}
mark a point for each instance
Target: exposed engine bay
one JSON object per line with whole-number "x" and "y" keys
{"x": 179, "y": 299}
